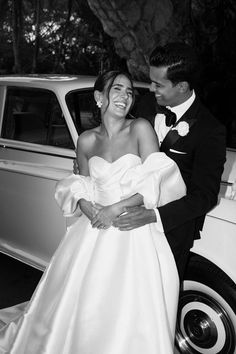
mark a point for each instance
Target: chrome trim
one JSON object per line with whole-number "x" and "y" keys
{"x": 226, "y": 183}
{"x": 36, "y": 170}
{"x": 4, "y": 146}
{"x": 23, "y": 256}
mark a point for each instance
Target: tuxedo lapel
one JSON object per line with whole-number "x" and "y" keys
{"x": 190, "y": 117}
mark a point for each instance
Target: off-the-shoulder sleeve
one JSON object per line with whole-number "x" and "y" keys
{"x": 70, "y": 190}
{"x": 158, "y": 180}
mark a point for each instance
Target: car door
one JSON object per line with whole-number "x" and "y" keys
{"x": 36, "y": 150}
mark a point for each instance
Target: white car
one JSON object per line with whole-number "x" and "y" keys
{"x": 207, "y": 306}
{"x": 41, "y": 117}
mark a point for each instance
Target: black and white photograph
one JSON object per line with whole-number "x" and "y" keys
{"x": 117, "y": 177}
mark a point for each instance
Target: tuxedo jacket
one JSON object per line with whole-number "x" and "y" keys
{"x": 200, "y": 156}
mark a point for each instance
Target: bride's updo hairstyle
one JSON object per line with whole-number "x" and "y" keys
{"x": 104, "y": 83}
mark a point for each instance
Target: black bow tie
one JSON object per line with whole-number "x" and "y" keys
{"x": 170, "y": 116}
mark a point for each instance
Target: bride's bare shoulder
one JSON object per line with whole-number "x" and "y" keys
{"x": 89, "y": 134}
{"x": 143, "y": 131}
{"x": 141, "y": 124}
{"x": 87, "y": 138}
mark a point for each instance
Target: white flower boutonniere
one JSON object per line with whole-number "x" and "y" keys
{"x": 182, "y": 128}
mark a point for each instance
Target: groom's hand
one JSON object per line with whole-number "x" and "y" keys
{"x": 134, "y": 217}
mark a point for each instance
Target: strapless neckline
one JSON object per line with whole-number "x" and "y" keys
{"x": 118, "y": 159}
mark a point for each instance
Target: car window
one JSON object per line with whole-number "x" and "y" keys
{"x": 35, "y": 116}
{"x": 145, "y": 104}
{"x": 83, "y": 110}
{"x": 231, "y": 133}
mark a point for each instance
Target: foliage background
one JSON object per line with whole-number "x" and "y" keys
{"x": 52, "y": 36}
{"x": 86, "y": 36}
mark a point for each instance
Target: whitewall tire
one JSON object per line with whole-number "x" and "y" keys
{"x": 206, "y": 321}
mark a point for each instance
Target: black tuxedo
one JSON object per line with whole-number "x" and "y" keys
{"x": 200, "y": 159}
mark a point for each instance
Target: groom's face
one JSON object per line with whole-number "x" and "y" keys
{"x": 166, "y": 93}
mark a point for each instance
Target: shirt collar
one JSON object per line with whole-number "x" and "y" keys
{"x": 183, "y": 107}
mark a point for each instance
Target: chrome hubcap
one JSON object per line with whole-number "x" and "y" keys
{"x": 203, "y": 326}
{"x": 200, "y": 328}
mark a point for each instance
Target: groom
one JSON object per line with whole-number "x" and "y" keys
{"x": 194, "y": 139}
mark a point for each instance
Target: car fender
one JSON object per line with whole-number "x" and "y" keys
{"x": 217, "y": 242}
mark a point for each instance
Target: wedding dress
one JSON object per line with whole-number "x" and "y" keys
{"x": 105, "y": 291}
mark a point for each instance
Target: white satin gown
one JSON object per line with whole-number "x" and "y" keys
{"x": 104, "y": 291}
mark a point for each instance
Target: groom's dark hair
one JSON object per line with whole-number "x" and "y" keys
{"x": 181, "y": 61}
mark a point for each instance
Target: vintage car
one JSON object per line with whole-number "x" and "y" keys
{"x": 41, "y": 117}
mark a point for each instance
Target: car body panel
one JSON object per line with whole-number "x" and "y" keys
{"x": 37, "y": 223}
{"x": 218, "y": 237}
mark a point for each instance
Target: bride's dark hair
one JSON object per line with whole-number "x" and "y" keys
{"x": 104, "y": 82}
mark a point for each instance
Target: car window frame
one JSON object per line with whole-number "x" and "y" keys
{"x": 29, "y": 146}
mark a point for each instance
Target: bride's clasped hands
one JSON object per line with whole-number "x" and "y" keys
{"x": 101, "y": 216}
{"x": 105, "y": 215}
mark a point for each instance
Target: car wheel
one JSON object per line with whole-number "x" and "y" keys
{"x": 206, "y": 321}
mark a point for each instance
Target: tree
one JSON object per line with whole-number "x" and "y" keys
{"x": 17, "y": 33}
{"x": 135, "y": 26}
{"x": 59, "y": 58}
{"x": 37, "y": 35}
{"x": 89, "y": 36}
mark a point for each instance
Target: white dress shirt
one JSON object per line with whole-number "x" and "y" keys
{"x": 160, "y": 125}
{"x": 161, "y": 130}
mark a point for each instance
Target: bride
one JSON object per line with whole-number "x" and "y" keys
{"x": 106, "y": 291}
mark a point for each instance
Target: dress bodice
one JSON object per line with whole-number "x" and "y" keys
{"x": 107, "y": 176}
{"x": 155, "y": 179}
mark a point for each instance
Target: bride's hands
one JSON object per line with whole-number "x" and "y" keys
{"x": 105, "y": 216}
{"x": 88, "y": 208}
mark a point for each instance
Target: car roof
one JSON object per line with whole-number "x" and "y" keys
{"x": 48, "y": 80}
{"x": 54, "y": 81}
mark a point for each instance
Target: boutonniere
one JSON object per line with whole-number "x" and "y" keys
{"x": 182, "y": 128}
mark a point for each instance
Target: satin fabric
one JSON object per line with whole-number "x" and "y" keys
{"x": 105, "y": 291}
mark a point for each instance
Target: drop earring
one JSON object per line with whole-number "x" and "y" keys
{"x": 99, "y": 103}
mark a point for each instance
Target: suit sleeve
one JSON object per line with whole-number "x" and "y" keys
{"x": 204, "y": 184}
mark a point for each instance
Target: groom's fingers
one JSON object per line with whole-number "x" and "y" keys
{"x": 127, "y": 221}
{"x": 134, "y": 218}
